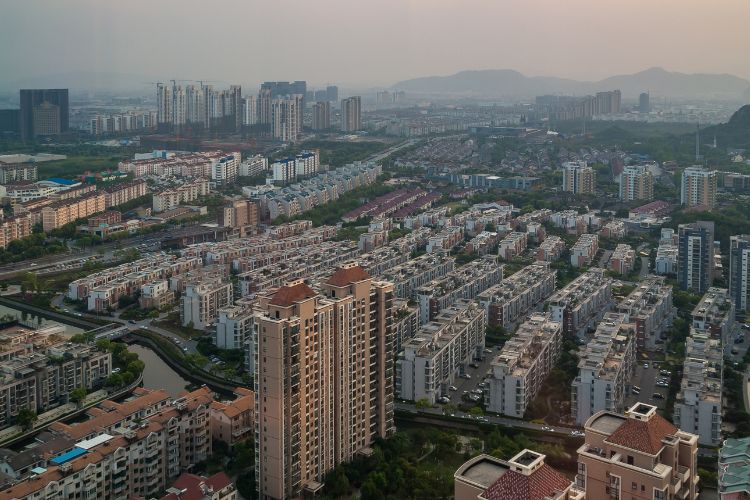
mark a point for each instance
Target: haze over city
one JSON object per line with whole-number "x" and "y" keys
{"x": 384, "y": 250}
{"x": 371, "y": 43}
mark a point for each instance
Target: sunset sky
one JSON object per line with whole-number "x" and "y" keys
{"x": 359, "y": 42}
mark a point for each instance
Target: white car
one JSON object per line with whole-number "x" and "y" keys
{"x": 452, "y": 388}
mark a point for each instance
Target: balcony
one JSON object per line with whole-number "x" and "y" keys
{"x": 684, "y": 473}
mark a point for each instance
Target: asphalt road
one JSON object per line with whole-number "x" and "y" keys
{"x": 645, "y": 378}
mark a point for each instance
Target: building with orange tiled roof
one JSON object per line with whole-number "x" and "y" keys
{"x": 132, "y": 458}
{"x": 324, "y": 378}
{"x": 639, "y": 454}
{"x": 524, "y": 477}
{"x": 233, "y": 421}
{"x": 192, "y": 487}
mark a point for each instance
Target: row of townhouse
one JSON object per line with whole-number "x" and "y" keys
{"x": 605, "y": 368}
{"x": 518, "y": 294}
{"x": 259, "y": 261}
{"x": 413, "y": 274}
{"x": 698, "y": 406}
{"x": 288, "y": 229}
{"x": 41, "y": 380}
{"x": 582, "y": 301}
{"x": 483, "y": 243}
{"x": 304, "y": 263}
{"x": 622, "y": 259}
{"x": 133, "y": 449}
{"x": 614, "y": 229}
{"x": 385, "y": 205}
{"x": 465, "y": 282}
{"x": 198, "y": 164}
{"x": 522, "y": 366}
{"x": 428, "y": 218}
{"x": 376, "y": 235}
{"x": 397, "y": 252}
{"x": 513, "y": 245}
{"x": 649, "y": 307}
{"x": 319, "y": 190}
{"x": 184, "y": 193}
{"x": 144, "y": 270}
{"x": 573, "y": 222}
{"x": 699, "y": 403}
{"x": 225, "y": 252}
{"x": 583, "y": 252}
{"x": 21, "y": 339}
{"x": 550, "y": 249}
{"x": 440, "y": 351}
{"x": 445, "y": 240}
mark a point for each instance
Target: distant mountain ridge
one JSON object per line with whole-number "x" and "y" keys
{"x": 510, "y": 83}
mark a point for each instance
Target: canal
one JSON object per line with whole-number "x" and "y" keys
{"x": 156, "y": 375}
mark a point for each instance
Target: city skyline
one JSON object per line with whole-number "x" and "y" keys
{"x": 416, "y": 44}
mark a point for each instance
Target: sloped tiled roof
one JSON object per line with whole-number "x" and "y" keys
{"x": 643, "y": 435}
{"x": 348, "y": 275}
{"x": 539, "y": 485}
{"x": 288, "y": 295}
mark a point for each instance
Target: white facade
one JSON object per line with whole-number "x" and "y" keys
{"x": 518, "y": 372}
{"x": 606, "y": 365}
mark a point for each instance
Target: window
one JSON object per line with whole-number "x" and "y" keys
{"x": 630, "y": 461}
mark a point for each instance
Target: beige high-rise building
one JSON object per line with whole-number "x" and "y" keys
{"x": 351, "y": 114}
{"x": 639, "y": 455}
{"x": 286, "y": 118}
{"x": 578, "y": 178}
{"x": 698, "y": 187}
{"x": 321, "y": 119}
{"x": 636, "y": 183}
{"x": 323, "y": 378}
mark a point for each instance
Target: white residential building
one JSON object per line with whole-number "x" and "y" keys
{"x": 200, "y": 305}
{"x": 582, "y": 300}
{"x": 605, "y": 368}
{"x": 518, "y": 372}
{"x": 440, "y": 352}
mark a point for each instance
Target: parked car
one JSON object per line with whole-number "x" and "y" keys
{"x": 452, "y": 388}
{"x": 645, "y": 365}
{"x": 657, "y": 395}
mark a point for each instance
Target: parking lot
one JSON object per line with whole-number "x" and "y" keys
{"x": 646, "y": 378}
{"x": 464, "y": 385}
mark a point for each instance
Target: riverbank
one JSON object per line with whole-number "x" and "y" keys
{"x": 49, "y": 314}
{"x": 8, "y": 438}
{"x": 174, "y": 358}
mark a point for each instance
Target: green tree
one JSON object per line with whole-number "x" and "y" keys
{"x": 114, "y": 380}
{"x": 423, "y": 403}
{"x": 26, "y": 418}
{"x": 78, "y": 395}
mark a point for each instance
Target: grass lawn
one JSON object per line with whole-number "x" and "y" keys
{"x": 172, "y": 323}
{"x": 76, "y": 165}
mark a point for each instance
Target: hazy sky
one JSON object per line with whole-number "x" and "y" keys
{"x": 370, "y": 42}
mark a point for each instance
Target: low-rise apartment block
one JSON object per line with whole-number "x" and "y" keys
{"x": 409, "y": 276}
{"x": 606, "y": 365}
{"x": 550, "y": 249}
{"x": 234, "y": 327}
{"x": 200, "y": 305}
{"x": 59, "y": 213}
{"x": 666, "y": 259}
{"x": 113, "y": 456}
{"x": 614, "y": 229}
{"x": 234, "y": 421}
{"x": 185, "y": 193}
{"x": 465, "y": 282}
{"x": 445, "y": 240}
{"x": 698, "y": 406}
{"x": 584, "y": 250}
{"x": 253, "y": 166}
{"x": 156, "y": 295}
{"x": 483, "y": 243}
{"x": 714, "y": 314}
{"x": 124, "y": 192}
{"x": 522, "y": 366}
{"x": 15, "y": 228}
{"x": 649, "y": 308}
{"x": 582, "y": 300}
{"x": 518, "y": 294}
{"x": 734, "y": 469}
{"x": 167, "y": 164}
{"x": 523, "y": 477}
{"x": 638, "y": 454}
{"x": 40, "y": 381}
{"x": 405, "y": 323}
{"x": 513, "y": 245}
{"x": 622, "y": 259}
{"x": 440, "y": 352}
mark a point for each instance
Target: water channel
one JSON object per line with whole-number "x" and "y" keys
{"x": 156, "y": 375}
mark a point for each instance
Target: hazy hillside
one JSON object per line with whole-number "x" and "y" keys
{"x": 509, "y": 83}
